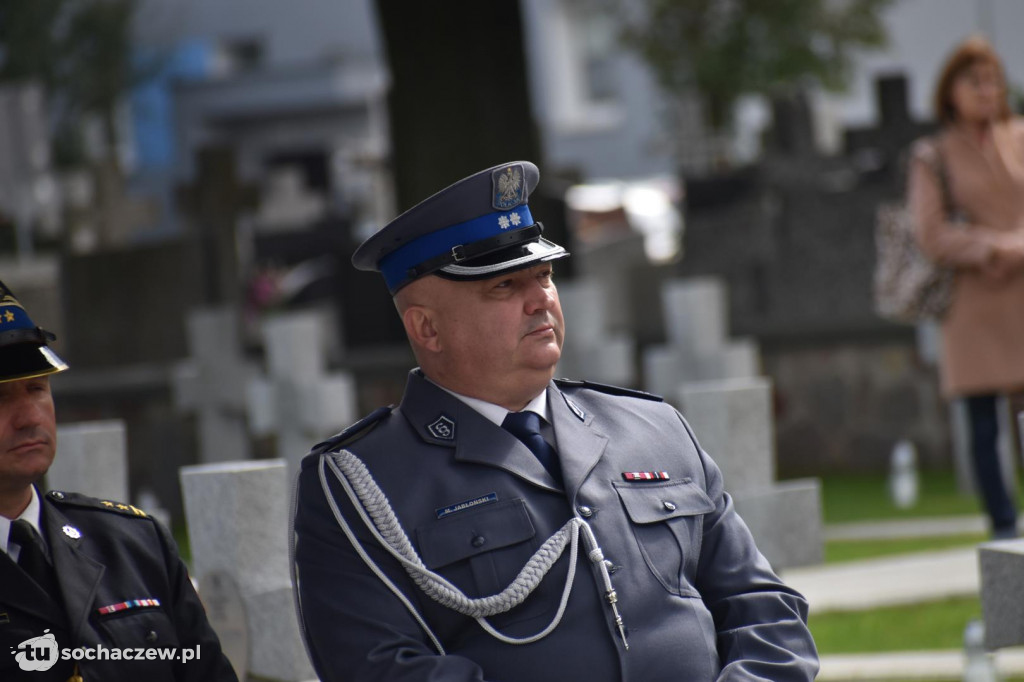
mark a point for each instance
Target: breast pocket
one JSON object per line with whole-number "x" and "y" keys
{"x": 145, "y": 627}
{"x": 668, "y": 522}
{"x": 481, "y": 550}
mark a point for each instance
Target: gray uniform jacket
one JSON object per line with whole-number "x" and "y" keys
{"x": 698, "y": 601}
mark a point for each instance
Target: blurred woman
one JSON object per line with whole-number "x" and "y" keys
{"x": 980, "y": 151}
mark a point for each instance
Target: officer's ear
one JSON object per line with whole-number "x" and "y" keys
{"x": 420, "y": 328}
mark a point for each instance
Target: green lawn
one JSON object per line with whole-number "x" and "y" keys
{"x": 851, "y": 550}
{"x": 935, "y": 625}
{"x": 850, "y": 498}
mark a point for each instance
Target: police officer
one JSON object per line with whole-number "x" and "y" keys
{"x": 77, "y": 573}
{"x": 498, "y": 525}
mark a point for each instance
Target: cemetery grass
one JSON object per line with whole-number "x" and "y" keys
{"x": 918, "y": 627}
{"x": 852, "y": 550}
{"x": 853, "y": 498}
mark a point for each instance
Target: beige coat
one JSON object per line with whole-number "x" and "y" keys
{"x": 983, "y": 333}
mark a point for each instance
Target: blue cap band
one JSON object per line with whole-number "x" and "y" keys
{"x": 395, "y": 266}
{"x": 14, "y": 317}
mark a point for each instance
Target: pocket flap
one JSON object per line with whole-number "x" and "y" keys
{"x": 469, "y": 533}
{"x": 653, "y": 502}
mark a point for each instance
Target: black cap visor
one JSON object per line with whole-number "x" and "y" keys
{"x": 27, "y": 361}
{"x": 510, "y": 259}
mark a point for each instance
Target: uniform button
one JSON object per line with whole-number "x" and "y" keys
{"x": 585, "y": 511}
{"x": 669, "y": 506}
{"x": 610, "y": 566}
{"x": 151, "y": 636}
{"x": 58, "y": 495}
{"x": 478, "y": 541}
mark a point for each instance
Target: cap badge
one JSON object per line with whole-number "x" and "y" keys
{"x": 508, "y": 189}
{"x": 71, "y": 531}
{"x": 442, "y": 428}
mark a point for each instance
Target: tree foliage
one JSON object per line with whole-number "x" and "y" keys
{"x": 80, "y": 51}
{"x": 722, "y": 49}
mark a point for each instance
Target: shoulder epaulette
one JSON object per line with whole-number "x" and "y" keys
{"x": 353, "y": 432}
{"x": 611, "y": 390}
{"x": 79, "y": 500}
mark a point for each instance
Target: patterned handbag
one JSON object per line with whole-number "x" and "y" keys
{"x": 909, "y": 287}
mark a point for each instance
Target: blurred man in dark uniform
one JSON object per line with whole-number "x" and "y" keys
{"x": 498, "y": 525}
{"x": 99, "y": 576}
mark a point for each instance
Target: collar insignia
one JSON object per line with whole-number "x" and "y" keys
{"x": 71, "y": 531}
{"x": 442, "y": 428}
{"x": 576, "y": 410}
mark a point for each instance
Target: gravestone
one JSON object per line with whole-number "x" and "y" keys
{"x": 213, "y": 384}
{"x": 1002, "y": 583}
{"x": 611, "y": 263}
{"x": 237, "y": 514}
{"x": 699, "y": 348}
{"x": 591, "y": 351}
{"x": 298, "y": 401}
{"x": 732, "y": 420}
{"x": 91, "y": 459}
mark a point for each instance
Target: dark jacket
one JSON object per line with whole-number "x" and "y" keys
{"x": 698, "y": 601}
{"x": 107, "y": 554}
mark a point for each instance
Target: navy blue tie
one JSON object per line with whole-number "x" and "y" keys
{"x": 526, "y": 427}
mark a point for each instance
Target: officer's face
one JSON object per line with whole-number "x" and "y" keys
{"x": 499, "y": 339}
{"x": 28, "y": 432}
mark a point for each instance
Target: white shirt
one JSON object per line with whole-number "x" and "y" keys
{"x": 497, "y": 413}
{"x": 31, "y": 514}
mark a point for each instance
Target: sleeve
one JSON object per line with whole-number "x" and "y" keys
{"x": 761, "y": 623}
{"x": 355, "y": 627}
{"x": 958, "y": 246}
{"x": 190, "y": 623}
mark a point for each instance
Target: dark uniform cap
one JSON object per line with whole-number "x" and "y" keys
{"x": 479, "y": 227}
{"x": 23, "y": 350}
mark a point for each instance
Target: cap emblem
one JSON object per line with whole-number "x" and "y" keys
{"x": 509, "y": 190}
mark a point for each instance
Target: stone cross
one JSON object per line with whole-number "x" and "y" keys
{"x": 213, "y": 384}
{"x": 732, "y": 420}
{"x": 213, "y": 204}
{"x": 92, "y": 459}
{"x": 237, "y": 514}
{"x": 699, "y": 347}
{"x": 298, "y": 401}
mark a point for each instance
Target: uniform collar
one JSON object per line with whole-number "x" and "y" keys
{"x": 497, "y": 413}
{"x": 30, "y": 514}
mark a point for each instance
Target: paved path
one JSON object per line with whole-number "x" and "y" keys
{"x": 910, "y": 528}
{"x": 888, "y": 581}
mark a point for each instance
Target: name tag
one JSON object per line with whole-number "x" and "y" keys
{"x": 489, "y": 498}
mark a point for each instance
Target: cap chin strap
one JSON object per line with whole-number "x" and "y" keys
{"x": 375, "y": 510}
{"x": 463, "y": 252}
